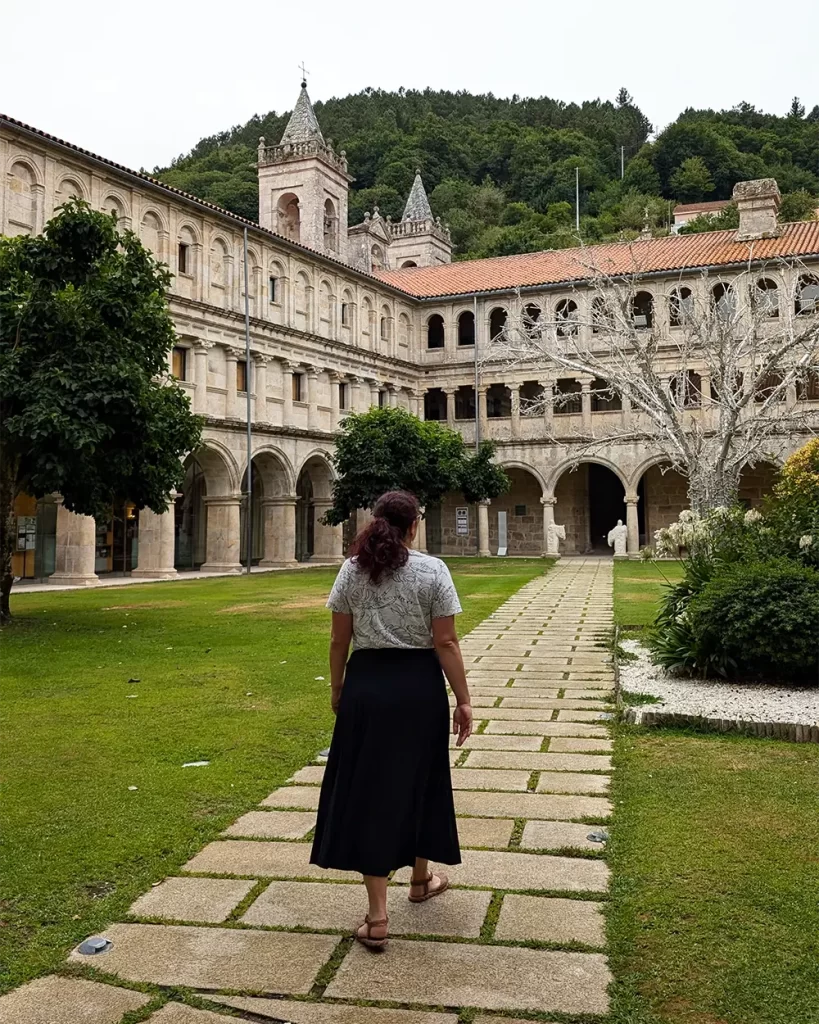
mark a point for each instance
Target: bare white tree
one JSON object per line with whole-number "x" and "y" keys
{"x": 725, "y": 382}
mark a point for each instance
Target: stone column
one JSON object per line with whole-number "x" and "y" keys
{"x": 483, "y": 528}
{"x": 76, "y": 545}
{"x": 374, "y": 392}
{"x": 548, "y": 521}
{"x": 261, "y": 388}
{"x": 223, "y": 532}
{"x": 417, "y": 403}
{"x": 287, "y": 393}
{"x": 279, "y": 525}
{"x": 548, "y": 406}
{"x": 355, "y": 394}
{"x": 450, "y": 406}
{"x": 515, "y": 391}
{"x": 328, "y": 541}
{"x": 335, "y": 406}
{"x": 312, "y": 398}
{"x": 392, "y": 396}
{"x": 480, "y": 398}
{"x": 585, "y": 400}
{"x": 200, "y": 376}
{"x": 633, "y": 525}
{"x": 232, "y": 397}
{"x": 155, "y": 556}
{"x": 625, "y": 416}
{"x": 420, "y": 542}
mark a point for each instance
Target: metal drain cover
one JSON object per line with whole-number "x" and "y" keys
{"x": 96, "y": 944}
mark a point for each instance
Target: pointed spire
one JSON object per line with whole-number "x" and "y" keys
{"x": 302, "y": 126}
{"x": 417, "y": 207}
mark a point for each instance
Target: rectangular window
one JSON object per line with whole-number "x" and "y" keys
{"x": 273, "y": 288}
{"x": 182, "y": 258}
{"x": 343, "y": 397}
{"x": 465, "y": 402}
{"x": 179, "y": 362}
{"x": 297, "y": 388}
{"x": 520, "y": 510}
{"x": 241, "y": 375}
{"x": 345, "y": 314}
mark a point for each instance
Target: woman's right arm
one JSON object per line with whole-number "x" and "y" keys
{"x": 445, "y": 639}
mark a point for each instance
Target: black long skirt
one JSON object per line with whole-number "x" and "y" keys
{"x": 387, "y": 792}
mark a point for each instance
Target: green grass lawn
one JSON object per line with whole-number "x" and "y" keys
{"x": 222, "y": 670}
{"x": 714, "y": 914}
{"x": 638, "y": 587}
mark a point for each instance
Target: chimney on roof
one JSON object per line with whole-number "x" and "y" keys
{"x": 758, "y": 204}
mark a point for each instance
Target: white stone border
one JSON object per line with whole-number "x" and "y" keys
{"x": 795, "y": 733}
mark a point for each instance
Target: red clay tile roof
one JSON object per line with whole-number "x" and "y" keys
{"x": 714, "y": 207}
{"x": 564, "y": 266}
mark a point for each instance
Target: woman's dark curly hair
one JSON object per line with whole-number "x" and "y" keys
{"x": 380, "y": 546}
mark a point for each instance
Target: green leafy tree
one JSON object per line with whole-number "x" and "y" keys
{"x": 799, "y": 205}
{"x": 640, "y": 176}
{"x": 726, "y": 220}
{"x": 692, "y": 181}
{"x": 87, "y": 407}
{"x": 389, "y": 449}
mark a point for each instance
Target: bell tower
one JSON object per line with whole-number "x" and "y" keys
{"x": 419, "y": 239}
{"x": 303, "y": 184}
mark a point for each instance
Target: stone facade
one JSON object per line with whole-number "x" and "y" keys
{"x": 330, "y": 333}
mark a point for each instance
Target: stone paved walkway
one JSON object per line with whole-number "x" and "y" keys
{"x": 250, "y": 924}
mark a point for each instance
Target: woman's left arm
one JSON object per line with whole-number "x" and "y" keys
{"x": 340, "y": 636}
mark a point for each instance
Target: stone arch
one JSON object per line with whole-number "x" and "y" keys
{"x": 219, "y": 275}
{"x": 288, "y": 211}
{"x": 407, "y": 264}
{"x": 367, "y": 319}
{"x": 466, "y": 328}
{"x": 524, "y": 511}
{"x": 71, "y": 187}
{"x": 275, "y": 470}
{"x": 24, "y": 189}
{"x": 436, "y": 332}
{"x": 598, "y": 460}
{"x": 588, "y": 502}
{"x": 151, "y": 232}
{"x": 314, "y": 484}
{"x": 115, "y": 202}
{"x": 385, "y": 324}
{"x": 190, "y": 516}
{"x": 497, "y": 321}
{"x": 330, "y": 226}
{"x": 662, "y": 492}
{"x": 536, "y": 473}
{"x": 404, "y": 329}
{"x": 301, "y": 299}
{"x": 378, "y": 260}
{"x": 327, "y": 306}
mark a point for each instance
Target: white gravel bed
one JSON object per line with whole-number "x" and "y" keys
{"x": 712, "y": 698}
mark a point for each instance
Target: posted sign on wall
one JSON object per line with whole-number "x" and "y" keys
{"x": 462, "y": 521}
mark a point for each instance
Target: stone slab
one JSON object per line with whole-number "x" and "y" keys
{"x": 536, "y": 704}
{"x": 525, "y": 805}
{"x": 322, "y": 905}
{"x": 570, "y": 745}
{"x": 572, "y": 782}
{"x": 193, "y": 899}
{"x": 550, "y": 920}
{"x": 580, "y": 716}
{"x": 328, "y": 1013}
{"x": 589, "y": 694}
{"x": 301, "y": 797}
{"x": 311, "y": 775}
{"x": 482, "y": 1019}
{"x": 484, "y": 741}
{"x": 559, "y": 835}
{"x": 464, "y": 974}
{"x": 216, "y": 958}
{"x": 534, "y": 762}
{"x": 262, "y": 860}
{"x": 273, "y": 824}
{"x": 56, "y": 1000}
{"x": 507, "y": 691}
{"x": 492, "y": 832}
{"x": 505, "y": 727}
{"x": 494, "y": 869}
{"x": 542, "y": 714}
{"x": 178, "y": 1013}
{"x": 471, "y": 778}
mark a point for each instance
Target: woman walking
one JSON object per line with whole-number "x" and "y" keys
{"x": 386, "y": 800}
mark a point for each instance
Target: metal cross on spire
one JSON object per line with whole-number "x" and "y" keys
{"x": 304, "y": 74}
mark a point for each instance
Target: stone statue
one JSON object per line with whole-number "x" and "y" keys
{"x": 554, "y": 535}
{"x": 618, "y": 539}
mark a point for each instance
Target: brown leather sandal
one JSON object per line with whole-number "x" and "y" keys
{"x": 429, "y": 893}
{"x": 368, "y": 940}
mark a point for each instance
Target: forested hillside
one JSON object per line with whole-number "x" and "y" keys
{"x": 501, "y": 172}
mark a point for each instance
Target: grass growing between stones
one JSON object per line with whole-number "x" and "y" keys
{"x": 224, "y": 670}
{"x": 638, "y": 587}
{"x": 714, "y": 912}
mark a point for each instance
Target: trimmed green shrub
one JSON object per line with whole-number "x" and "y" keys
{"x": 757, "y": 620}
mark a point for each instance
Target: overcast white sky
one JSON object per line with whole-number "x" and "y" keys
{"x": 142, "y": 83}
